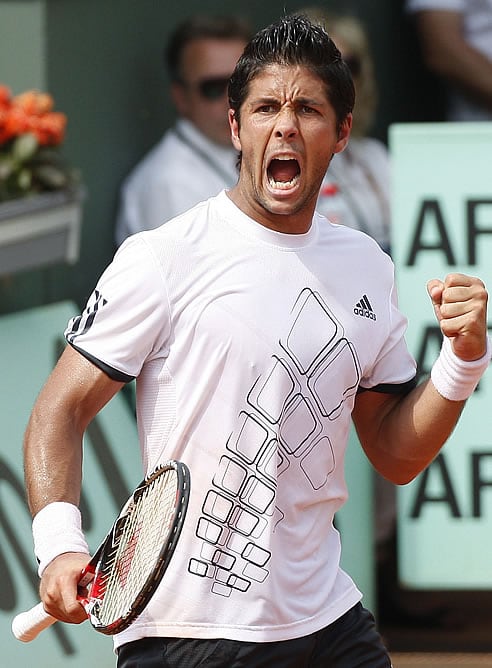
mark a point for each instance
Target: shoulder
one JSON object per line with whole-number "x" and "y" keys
{"x": 160, "y": 149}
{"x": 352, "y": 241}
{"x": 423, "y": 5}
{"x": 156, "y": 161}
{"x": 185, "y": 228}
{"x": 370, "y": 147}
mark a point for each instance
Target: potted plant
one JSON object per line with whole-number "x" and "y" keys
{"x": 40, "y": 194}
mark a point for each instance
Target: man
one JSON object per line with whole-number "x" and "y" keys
{"x": 195, "y": 159}
{"x": 241, "y": 321}
{"x": 456, "y": 41}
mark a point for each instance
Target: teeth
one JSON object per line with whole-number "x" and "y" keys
{"x": 282, "y": 184}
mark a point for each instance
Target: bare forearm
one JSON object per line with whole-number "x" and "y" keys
{"x": 52, "y": 459}
{"x": 448, "y": 54}
{"x": 471, "y": 72}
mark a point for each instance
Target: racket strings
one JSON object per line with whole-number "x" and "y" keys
{"x": 137, "y": 548}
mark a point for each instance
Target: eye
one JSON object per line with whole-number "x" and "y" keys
{"x": 306, "y": 109}
{"x": 266, "y": 108}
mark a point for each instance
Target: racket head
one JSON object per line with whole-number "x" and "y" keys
{"x": 133, "y": 558}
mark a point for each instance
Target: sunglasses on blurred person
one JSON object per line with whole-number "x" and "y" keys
{"x": 211, "y": 89}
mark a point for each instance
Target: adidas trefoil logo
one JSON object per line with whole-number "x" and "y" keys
{"x": 364, "y": 308}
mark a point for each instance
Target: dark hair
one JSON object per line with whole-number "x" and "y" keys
{"x": 294, "y": 40}
{"x": 202, "y": 27}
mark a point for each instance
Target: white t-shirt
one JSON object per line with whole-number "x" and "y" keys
{"x": 184, "y": 168}
{"x": 249, "y": 347}
{"x": 356, "y": 189}
{"x": 477, "y": 26}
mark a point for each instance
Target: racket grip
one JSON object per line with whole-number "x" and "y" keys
{"x": 27, "y": 625}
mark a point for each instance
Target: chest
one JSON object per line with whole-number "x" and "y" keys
{"x": 312, "y": 311}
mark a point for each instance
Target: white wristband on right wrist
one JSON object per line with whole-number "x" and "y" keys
{"x": 454, "y": 378}
{"x": 57, "y": 529}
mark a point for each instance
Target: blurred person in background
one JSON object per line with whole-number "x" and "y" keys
{"x": 195, "y": 159}
{"x": 356, "y": 188}
{"x": 456, "y": 41}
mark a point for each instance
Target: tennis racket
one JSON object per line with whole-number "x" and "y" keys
{"x": 126, "y": 569}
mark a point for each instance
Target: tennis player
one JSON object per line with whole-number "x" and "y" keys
{"x": 256, "y": 330}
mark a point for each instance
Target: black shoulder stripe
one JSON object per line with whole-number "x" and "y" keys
{"x": 392, "y": 388}
{"x": 114, "y": 374}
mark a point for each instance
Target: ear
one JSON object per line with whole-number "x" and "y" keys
{"x": 344, "y": 134}
{"x": 234, "y": 125}
{"x": 178, "y": 96}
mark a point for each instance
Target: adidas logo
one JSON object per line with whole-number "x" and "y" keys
{"x": 364, "y": 308}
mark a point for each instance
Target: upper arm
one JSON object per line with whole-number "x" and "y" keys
{"x": 78, "y": 388}
{"x": 392, "y": 434}
{"x": 402, "y": 433}
{"x": 74, "y": 393}
{"x": 368, "y": 415}
{"x": 441, "y": 35}
{"x": 450, "y": 54}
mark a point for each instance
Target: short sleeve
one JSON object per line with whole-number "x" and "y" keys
{"x": 126, "y": 319}
{"x": 394, "y": 369}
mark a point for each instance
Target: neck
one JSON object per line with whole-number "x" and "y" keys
{"x": 287, "y": 221}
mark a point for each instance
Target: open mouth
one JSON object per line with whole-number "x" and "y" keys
{"x": 283, "y": 173}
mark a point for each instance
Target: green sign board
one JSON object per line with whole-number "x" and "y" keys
{"x": 30, "y": 343}
{"x": 442, "y": 223}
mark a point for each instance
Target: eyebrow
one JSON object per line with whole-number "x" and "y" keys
{"x": 311, "y": 101}
{"x": 304, "y": 101}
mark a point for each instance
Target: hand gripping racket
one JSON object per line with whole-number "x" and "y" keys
{"x": 126, "y": 569}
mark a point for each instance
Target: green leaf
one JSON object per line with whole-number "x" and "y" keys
{"x": 51, "y": 177}
{"x": 6, "y": 168}
{"x": 24, "y": 179}
{"x": 24, "y": 147}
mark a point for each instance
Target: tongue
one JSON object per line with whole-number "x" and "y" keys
{"x": 283, "y": 170}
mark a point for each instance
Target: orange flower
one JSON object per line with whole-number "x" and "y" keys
{"x": 13, "y": 123}
{"x": 5, "y": 97}
{"x": 28, "y": 125}
{"x": 49, "y": 129}
{"x": 30, "y": 112}
{"x": 34, "y": 103}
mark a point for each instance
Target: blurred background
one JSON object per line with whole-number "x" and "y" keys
{"x": 102, "y": 61}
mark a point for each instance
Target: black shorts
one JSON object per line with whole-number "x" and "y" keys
{"x": 350, "y": 642}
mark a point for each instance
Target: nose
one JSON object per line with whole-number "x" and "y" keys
{"x": 286, "y": 125}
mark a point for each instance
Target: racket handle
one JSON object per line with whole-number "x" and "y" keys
{"x": 27, "y": 625}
